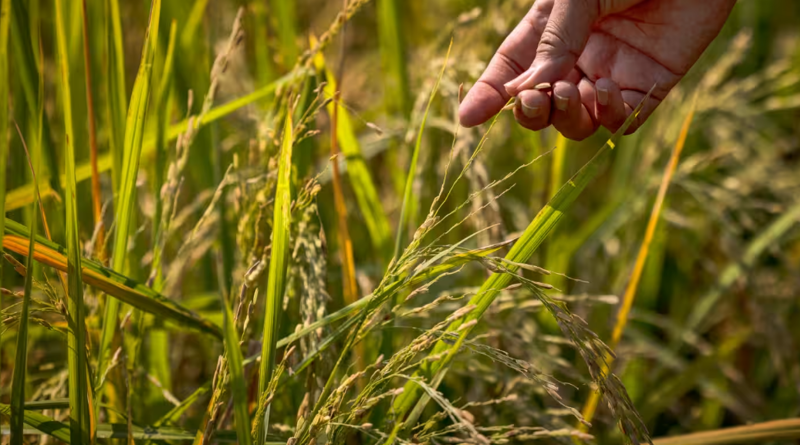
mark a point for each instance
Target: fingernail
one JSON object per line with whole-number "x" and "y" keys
{"x": 561, "y": 102}
{"x": 513, "y": 85}
{"x": 602, "y": 96}
{"x": 531, "y": 111}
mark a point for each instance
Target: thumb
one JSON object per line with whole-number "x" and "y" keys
{"x": 561, "y": 44}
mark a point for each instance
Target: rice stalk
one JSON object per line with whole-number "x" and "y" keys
{"x": 278, "y": 265}
{"x": 284, "y": 13}
{"x": 403, "y": 222}
{"x": 159, "y": 339}
{"x": 5, "y": 16}
{"x": 237, "y": 377}
{"x": 81, "y": 422}
{"x": 116, "y": 94}
{"x": 21, "y": 360}
{"x": 362, "y": 182}
{"x": 349, "y": 288}
{"x": 776, "y": 430}
{"x": 97, "y": 198}
{"x": 523, "y": 249}
{"x": 392, "y": 50}
{"x": 590, "y": 406}
{"x": 126, "y": 202}
{"x": 28, "y": 75}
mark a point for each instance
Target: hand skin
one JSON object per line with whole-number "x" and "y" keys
{"x": 601, "y": 56}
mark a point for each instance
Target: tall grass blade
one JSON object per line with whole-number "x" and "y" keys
{"x": 107, "y": 280}
{"x": 361, "y": 180}
{"x": 79, "y": 387}
{"x": 21, "y": 360}
{"x": 126, "y": 202}
{"x": 163, "y": 103}
{"x": 284, "y": 11}
{"x": 776, "y": 430}
{"x": 42, "y": 423}
{"x": 349, "y": 288}
{"x": 278, "y": 265}
{"x": 117, "y": 93}
{"x": 5, "y": 16}
{"x": 403, "y": 224}
{"x": 238, "y": 383}
{"x": 28, "y": 73}
{"x": 641, "y": 259}
{"x": 547, "y": 219}
{"x": 159, "y": 338}
{"x": 97, "y": 198}
{"x": 390, "y": 38}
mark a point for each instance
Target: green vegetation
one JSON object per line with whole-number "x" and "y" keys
{"x": 281, "y": 242}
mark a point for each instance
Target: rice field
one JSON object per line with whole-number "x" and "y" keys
{"x": 259, "y": 222}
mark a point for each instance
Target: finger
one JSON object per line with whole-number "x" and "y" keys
{"x": 488, "y": 96}
{"x": 560, "y": 45}
{"x": 610, "y": 109}
{"x": 570, "y": 116}
{"x": 632, "y": 99}
{"x": 533, "y": 109}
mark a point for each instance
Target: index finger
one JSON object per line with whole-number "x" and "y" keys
{"x": 488, "y": 96}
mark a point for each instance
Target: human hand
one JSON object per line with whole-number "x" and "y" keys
{"x": 600, "y": 56}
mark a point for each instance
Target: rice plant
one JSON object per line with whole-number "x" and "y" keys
{"x": 260, "y": 222}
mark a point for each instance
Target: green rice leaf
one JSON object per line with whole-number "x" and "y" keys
{"x": 117, "y": 94}
{"x": 5, "y": 15}
{"x": 79, "y": 387}
{"x": 126, "y": 202}
{"x": 361, "y": 180}
{"x": 403, "y": 224}
{"x": 107, "y": 280}
{"x": 238, "y": 383}
{"x": 278, "y": 265}
{"x": 21, "y": 360}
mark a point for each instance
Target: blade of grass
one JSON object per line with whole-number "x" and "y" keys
{"x": 117, "y": 93}
{"x": 42, "y": 423}
{"x": 278, "y": 265}
{"x": 159, "y": 339}
{"x": 238, "y": 383}
{"x": 403, "y": 223}
{"x": 776, "y": 430}
{"x": 350, "y": 289}
{"x": 126, "y": 202}
{"x": 523, "y": 249}
{"x": 390, "y": 38}
{"x": 21, "y": 360}
{"x": 79, "y": 388}
{"x": 107, "y": 280}
{"x": 630, "y": 291}
{"x": 22, "y": 196}
{"x": 28, "y": 73}
{"x": 5, "y": 16}
{"x": 97, "y": 198}
{"x": 397, "y": 94}
{"x": 284, "y": 11}
{"x": 163, "y": 103}
{"x": 361, "y": 180}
